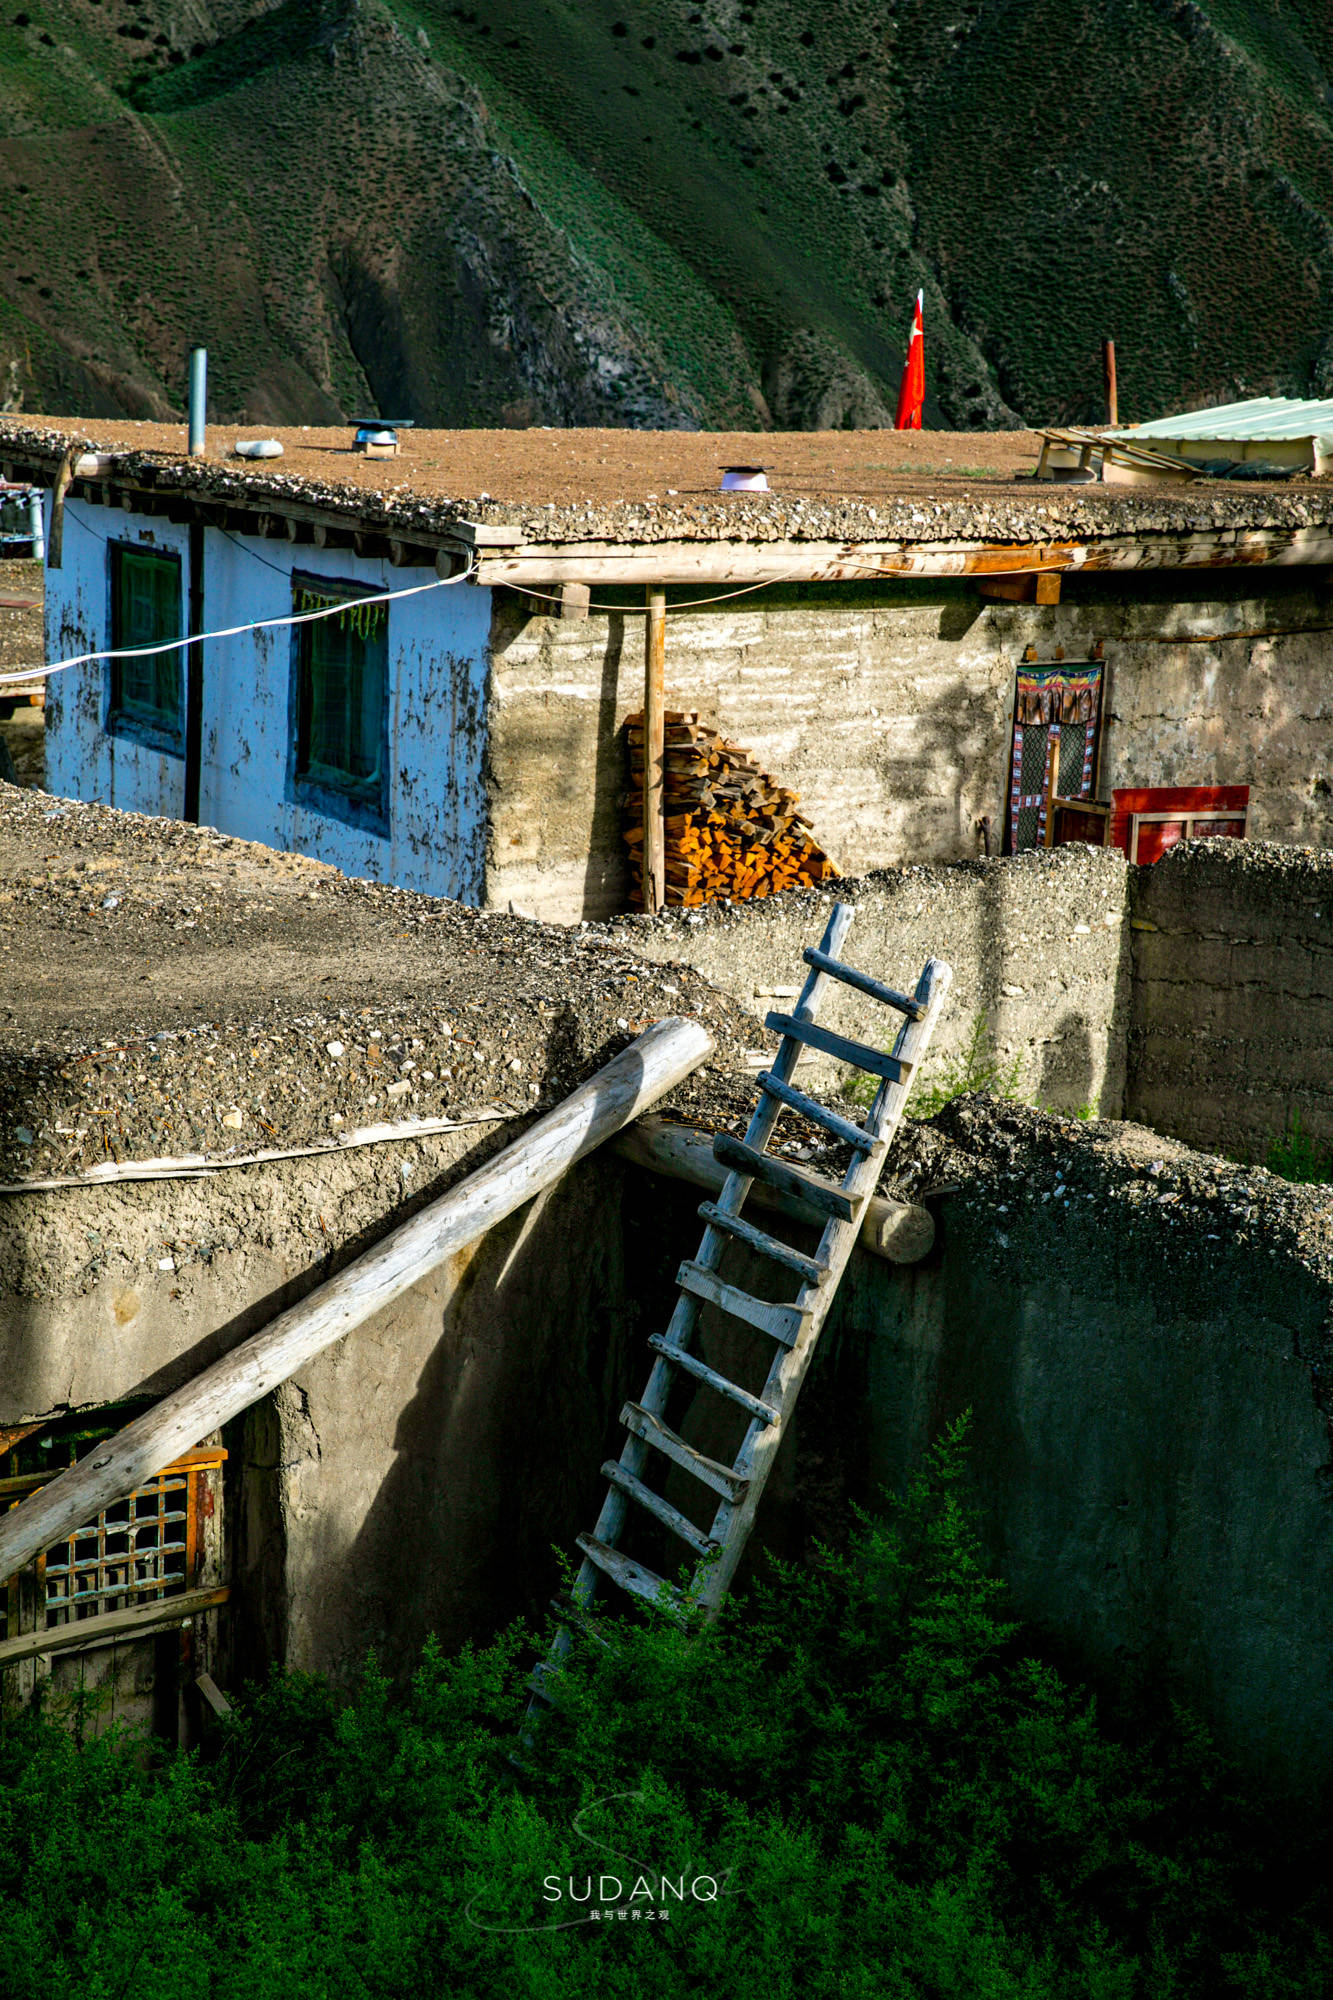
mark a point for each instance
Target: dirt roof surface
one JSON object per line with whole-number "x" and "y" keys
{"x": 158, "y": 980}
{"x": 560, "y": 486}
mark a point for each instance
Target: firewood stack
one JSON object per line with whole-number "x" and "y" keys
{"x": 730, "y": 831}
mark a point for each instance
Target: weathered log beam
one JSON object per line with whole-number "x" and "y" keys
{"x": 628, "y": 1086}
{"x": 724, "y": 562}
{"x": 899, "y": 1231}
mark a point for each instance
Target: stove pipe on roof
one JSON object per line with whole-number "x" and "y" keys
{"x": 198, "y": 399}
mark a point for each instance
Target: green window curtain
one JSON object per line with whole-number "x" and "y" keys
{"x": 146, "y": 609}
{"x": 343, "y": 677}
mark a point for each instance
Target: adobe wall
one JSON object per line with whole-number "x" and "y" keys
{"x": 1038, "y": 943}
{"x": 889, "y": 709}
{"x": 1231, "y": 1019}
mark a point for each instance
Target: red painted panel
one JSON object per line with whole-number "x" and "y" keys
{"x": 1228, "y": 802}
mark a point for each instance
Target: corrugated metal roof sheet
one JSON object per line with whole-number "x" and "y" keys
{"x": 1262, "y": 419}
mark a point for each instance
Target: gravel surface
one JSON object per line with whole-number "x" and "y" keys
{"x": 647, "y": 486}
{"x": 165, "y": 990}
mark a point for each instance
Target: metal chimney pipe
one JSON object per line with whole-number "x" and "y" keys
{"x": 198, "y": 399}
{"x": 37, "y": 527}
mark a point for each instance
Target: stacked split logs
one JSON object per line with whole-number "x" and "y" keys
{"x": 730, "y": 831}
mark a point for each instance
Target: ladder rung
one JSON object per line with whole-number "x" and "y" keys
{"x": 633, "y": 1577}
{"x": 818, "y": 1194}
{"x": 651, "y": 1430}
{"x": 576, "y": 1618}
{"x": 864, "y": 983}
{"x": 784, "y": 1323}
{"x": 661, "y": 1510}
{"x": 857, "y": 1053}
{"x": 759, "y": 1239}
{"x": 703, "y": 1373}
{"x": 818, "y": 1114}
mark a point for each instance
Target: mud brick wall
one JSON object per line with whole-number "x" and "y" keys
{"x": 1038, "y": 944}
{"x": 1231, "y": 1017}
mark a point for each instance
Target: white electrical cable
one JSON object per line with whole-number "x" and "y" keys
{"x": 235, "y": 631}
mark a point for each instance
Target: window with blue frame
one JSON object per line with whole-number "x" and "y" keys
{"x": 147, "y": 695}
{"x": 341, "y": 685}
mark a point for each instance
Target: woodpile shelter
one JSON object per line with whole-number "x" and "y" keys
{"x": 906, "y": 649}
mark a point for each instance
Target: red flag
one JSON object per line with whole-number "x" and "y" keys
{"x": 912, "y": 393}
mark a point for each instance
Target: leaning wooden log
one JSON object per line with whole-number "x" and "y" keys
{"x": 628, "y": 1086}
{"x": 901, "y": 1231}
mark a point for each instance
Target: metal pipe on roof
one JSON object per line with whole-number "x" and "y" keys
{"x": 198, "y": 399}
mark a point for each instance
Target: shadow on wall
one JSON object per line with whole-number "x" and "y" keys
{"x": 497, "y": 1452}
{"x": 1068, "y": 1068}
{"x": 610, "y": 774}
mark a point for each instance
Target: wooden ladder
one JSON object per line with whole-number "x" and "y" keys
{"x": 794, "y": 1328}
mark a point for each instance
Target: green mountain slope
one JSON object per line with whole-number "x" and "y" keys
{"x": 671, "y": 212}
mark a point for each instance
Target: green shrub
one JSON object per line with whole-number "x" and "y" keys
{"x": 894, "y": 1799}
{"x": 1296, "y": 1156}
{"x": 977, "y": 1068}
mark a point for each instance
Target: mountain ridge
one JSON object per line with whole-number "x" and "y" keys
{"x": 710, "y": 215}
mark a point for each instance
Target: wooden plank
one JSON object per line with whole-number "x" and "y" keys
{"x": 805, "y": 1267}
{"x": 130, "y": 1624}
{"x": 660, "y": 1509}
{"x": 653, "y": 859}
{"x": 211, "y": 1693}
{"x": 819, "y": 1195}
{"x": 852, "y": 1135}
{"x": 650, "y": 1429}
{"x": 634, "y": 1577}
{"x": 839, "y": 1046}
{"x": 652, "y": 1065}
{"x": 888, "y": 996}
{"x": 783, "y": 1323}
{"x": 754, "y": 1406}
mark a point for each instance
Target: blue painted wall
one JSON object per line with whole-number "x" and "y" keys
{"x": 438, "y": 673}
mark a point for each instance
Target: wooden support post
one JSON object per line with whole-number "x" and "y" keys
{"x": 194, "y": 678}
{"x": 55, "y": 540}
{"x": 630, "y": 1084}
{"x": 1108, "y": 371}
{"x": 654, "y": 753}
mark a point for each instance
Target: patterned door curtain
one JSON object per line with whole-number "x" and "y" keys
{"x": 1056, "y": 709}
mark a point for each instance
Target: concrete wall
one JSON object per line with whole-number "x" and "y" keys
{"x": 413, "y": 1477}
{"x": 1039, "y": 945}
{"x": 889, "y": 707}
{"x": 1142, "y": 1340}
{"x": 1231, "y": 1023}
{"x": 437, "y": 703}
{"x": 1140, "y": 1332}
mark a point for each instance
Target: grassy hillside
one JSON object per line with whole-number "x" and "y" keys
{"x": 692, "y": 212}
